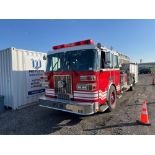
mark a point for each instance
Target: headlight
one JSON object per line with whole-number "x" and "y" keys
{"x": 88, "y": 78}
{"x": 89, "y": 86}
{"x": 81, "y": 87}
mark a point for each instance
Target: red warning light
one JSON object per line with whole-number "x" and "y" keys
{"x": 79, "y": 43}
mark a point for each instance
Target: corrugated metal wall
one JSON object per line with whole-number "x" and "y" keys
{"x": 14, "y": 65}
{"x": 5, "y": 76}
{"x": 18, "y": 78}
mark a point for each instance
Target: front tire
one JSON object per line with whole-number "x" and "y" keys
{"x": 112, "y": 99}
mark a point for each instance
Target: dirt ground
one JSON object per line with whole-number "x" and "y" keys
{"x": 36, "y": 120}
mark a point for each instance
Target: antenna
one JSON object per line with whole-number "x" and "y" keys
{"x": 111, "y": 48}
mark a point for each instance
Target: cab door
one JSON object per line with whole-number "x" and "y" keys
{"x": 105, "y": 75}
{"x": 109, "y": 67}
{"x": 116, "y": 73}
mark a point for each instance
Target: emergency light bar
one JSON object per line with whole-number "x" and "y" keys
{"x": 83, "y": 42}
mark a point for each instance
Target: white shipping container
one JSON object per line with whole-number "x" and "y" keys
{"x": 134, "y": 70}
{"x": 20, "y": 72}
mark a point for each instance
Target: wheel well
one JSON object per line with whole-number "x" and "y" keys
{"x": 112, "y": 84}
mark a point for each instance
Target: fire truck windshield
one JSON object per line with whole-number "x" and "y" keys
{"x": 79, "y": 60}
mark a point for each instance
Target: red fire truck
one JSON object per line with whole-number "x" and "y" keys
{"x": 85, "y": 78}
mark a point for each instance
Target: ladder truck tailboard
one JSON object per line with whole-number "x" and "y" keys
{"x": 85, "y": 78}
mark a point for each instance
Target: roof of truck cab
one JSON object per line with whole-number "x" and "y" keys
{"x": 82, "y": 47}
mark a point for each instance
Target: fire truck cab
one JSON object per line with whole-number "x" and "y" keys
{"x": 84, "y": 78}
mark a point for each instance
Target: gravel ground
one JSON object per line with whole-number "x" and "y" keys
{"x": 35, "y": 120}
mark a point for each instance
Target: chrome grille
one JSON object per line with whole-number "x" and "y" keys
{"x": 63, "y": 92}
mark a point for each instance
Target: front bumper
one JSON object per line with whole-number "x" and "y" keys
{"x": 81, "y": 108}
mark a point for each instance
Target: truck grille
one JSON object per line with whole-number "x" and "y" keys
{"x": 63, "y": 86}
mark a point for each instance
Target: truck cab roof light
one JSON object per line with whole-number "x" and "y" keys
{"x": 84, "y": 42}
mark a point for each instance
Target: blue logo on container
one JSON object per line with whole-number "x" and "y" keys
{"x": 36, "y": 64}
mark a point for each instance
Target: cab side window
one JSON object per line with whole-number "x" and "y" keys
{"x": 102, "y": 59}
{"x": 115, "y": 61}
{"x": 108, "y": 60}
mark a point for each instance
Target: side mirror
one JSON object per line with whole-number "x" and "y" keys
{"x": 44, "y": 57}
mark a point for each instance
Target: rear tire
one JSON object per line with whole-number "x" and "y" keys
{"x": 111, "y": 99}
{"x": 131, "y": 88}
{"x": 133, "y": 85}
